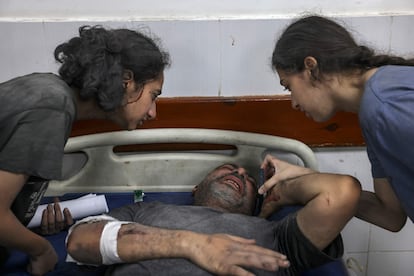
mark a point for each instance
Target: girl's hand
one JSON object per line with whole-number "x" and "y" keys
{"x": 276, "y": 171}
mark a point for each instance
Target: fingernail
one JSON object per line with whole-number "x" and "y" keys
{"x": 287, "y": 263}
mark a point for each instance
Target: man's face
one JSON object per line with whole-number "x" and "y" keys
{"x": 229, "y": 188}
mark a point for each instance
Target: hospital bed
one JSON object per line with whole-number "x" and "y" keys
{"x": 164, "y": 163}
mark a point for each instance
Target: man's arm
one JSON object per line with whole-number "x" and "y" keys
{"x": 218, "y": 253}
{"x": 330, "y": 201}
{"x": 382, "y": 208}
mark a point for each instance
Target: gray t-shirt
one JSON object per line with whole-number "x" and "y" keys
{"x": 36, "y": 116}
{"x": 283, "y": 236}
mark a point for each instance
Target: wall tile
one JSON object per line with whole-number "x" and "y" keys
{"x": 22, "y": 49}
{"x": 247, "y": 47}
{"x": 390, "y": 263}
{"x": 383, "y": 240}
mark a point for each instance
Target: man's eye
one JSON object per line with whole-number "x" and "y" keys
{"x": 230, "y": 167}
{"x": 253, "y": 181}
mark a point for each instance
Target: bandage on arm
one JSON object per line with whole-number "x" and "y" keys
{"x": 108, "y": 242}
{"x": 108, "y": 245}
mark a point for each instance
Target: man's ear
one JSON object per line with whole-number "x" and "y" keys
{"x": 310, "y": 63}
{"x": 194, "y": 190}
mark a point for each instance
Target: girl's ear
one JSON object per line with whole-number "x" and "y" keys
{"x": 127, "y": 78}
{"x": 311, "y": 66}
{"x": 310, "y": 63}
{"x": 128, "y": 75}
{"x": 133, "y": 92}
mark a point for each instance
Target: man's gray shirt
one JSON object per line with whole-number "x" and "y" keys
{"x": 283, "y": 236}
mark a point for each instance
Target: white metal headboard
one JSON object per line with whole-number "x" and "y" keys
{"x": 106, "y": 171}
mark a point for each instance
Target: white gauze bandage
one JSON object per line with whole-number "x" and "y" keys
{"x": 108, "y": 244}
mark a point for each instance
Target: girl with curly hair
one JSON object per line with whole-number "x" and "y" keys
{"x": 104, "y": 74}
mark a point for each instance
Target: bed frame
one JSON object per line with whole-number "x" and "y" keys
{"x": 103, "y": 168}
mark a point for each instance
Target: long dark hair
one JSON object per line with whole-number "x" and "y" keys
{"x": 331, "y": 44}
{"x": 94, "y": 62}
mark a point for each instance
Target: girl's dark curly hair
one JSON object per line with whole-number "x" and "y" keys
{"x": 94, "y": 62}
{"x": 331, "y": 44}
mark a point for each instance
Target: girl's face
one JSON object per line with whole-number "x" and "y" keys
{"x": 140, "y": 103}
{"x": 313, "y": 97}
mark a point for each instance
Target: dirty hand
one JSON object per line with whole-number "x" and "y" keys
{"x": 224, "y": 254}
{"x": 52, "y": 219}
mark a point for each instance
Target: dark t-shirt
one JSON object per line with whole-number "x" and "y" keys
{"x": 36, "y": 116}
{"x": 283, "y": 236}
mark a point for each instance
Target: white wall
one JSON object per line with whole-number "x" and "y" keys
{"x": 223, "y": 48}
{"x": 192, "y": 9}
{"x": 209, "y": 57}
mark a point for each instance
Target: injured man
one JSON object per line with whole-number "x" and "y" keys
{"x": 219, "y": 235}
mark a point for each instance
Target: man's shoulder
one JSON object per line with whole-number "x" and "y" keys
{"x": 159, "y": 206}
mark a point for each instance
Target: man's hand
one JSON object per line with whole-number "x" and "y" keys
{"x": 52, "y": 219}
{"x": 276, "y": 171}
{"x": 223, "y": 254}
